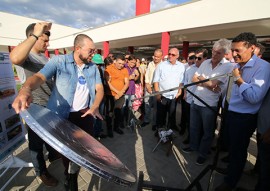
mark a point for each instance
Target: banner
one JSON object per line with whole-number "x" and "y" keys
{"x": 12, "y": 132}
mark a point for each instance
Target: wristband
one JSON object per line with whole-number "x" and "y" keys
{"x": 36, "y": 37}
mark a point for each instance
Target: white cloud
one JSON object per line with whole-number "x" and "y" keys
{"x": 79, "y": 13}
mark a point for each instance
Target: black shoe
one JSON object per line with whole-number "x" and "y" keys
{"x": 187, "y": 150}
{"x": 156, "y": 134}
{"x": 186, "y": 141}
{"x": 122, "y": 126}
{"x": 223, "y": 187}
{"x": 222, "y": 171}
{"x": 144, "y": 124}
{"x": 71, "y": 182}
{"x": 225, "y": 159}
{"x": 110, "y": 134}
{"x": 119, "y": 131}
{"x": 154, "y": 128}
{"x": 102, "y": 136}
{"x": 48, "y": 179}
{"x": 251, "y": 172}
{"x": 55, "y": 157}
{"x": 200, "y": 161}
{"x": 182, "y": 131}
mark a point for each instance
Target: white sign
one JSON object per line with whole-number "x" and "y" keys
{"x": 12, "y": 132}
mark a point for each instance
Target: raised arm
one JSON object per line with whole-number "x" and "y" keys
{"x": 21, "y": 52}
{"x": 24, "y": 98}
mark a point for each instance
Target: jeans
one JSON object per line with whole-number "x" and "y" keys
{"x": 264, "y": 167}
{"x": 86, "y": 124}
{"x": 240, "y": 127}
{"x": 150, "y": 107}
{"x": 98, "y": 122}
{"x": 127, "y": 106}
{"x": 202, "y": 126}
{"x": 36, "y": 152}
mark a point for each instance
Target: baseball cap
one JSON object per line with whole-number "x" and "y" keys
{"x": 97, "y": 59}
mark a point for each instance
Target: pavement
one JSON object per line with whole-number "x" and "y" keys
{"x": 135, "y": 150}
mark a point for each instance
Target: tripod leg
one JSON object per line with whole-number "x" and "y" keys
{"x": 156, "y": 145}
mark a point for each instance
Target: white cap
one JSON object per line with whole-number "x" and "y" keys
{"x": 143, "y": 59}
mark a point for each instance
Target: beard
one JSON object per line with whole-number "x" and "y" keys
{"x": 84, "y": 59}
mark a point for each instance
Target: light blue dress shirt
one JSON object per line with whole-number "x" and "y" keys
{"x": 248, "y": 97}
{"x": 65, "y": 72}
{"x": 169, "y": 76}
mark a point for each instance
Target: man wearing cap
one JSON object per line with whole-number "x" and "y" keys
{"x": 29, "y": 59}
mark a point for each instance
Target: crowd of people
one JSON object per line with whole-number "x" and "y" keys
{"x": 87, "y": 88}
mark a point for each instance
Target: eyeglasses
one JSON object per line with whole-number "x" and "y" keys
{"x": 48, "y": 33}
{"x": 199, "y": 58}
{"x": 192, "y": 57}
{"x": 170, "y": 54}
{"x": 91, "y": 51}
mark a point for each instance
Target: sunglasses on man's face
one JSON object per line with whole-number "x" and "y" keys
{"x": 192, "y": 57}
{"x": 170, "y": 54}
{"x": 199, "y": 58}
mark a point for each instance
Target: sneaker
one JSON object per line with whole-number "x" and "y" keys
{"x": 48, "y": 179}
{"x": 144, "y": 124}
{"x": 187, "y": 150}
{"x": 200, "y": 161}
{"x": 119, "y": 131}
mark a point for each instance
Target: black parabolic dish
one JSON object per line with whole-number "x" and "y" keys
{"x": 77, "y": 145}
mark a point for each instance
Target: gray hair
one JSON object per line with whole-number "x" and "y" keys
{"x": 223, "y": 44}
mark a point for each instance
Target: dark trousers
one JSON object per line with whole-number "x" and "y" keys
{"x": 118, "y": 118}
{"x": 166, "y": 107}
{"x": 264, "y": 166}
{"x": 36, "y": 152}
{"x": 240, "y": 128}
{"x": 86, "y": 124}
{"x": 185, "y": 118}
{"x": 114, "y": 107}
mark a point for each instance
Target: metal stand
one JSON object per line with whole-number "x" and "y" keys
{"x": 196, "y": 182}
{"x": 12, "y": 162}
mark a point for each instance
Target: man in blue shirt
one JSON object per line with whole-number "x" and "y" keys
{"x": 252, "y": 79}
{"x": 168, "y": 74}
{"x": 76, "y": 95}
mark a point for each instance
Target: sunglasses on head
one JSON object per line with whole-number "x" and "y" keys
{"x": 48, "y": 33}
{"x": 170, "y": 54}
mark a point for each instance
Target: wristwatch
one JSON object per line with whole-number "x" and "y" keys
{"x": 236, "y": 78}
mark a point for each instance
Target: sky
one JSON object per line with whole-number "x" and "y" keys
{"x": 80, "y": 14}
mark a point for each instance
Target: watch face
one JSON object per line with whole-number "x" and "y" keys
{"x": 77, "y": 145}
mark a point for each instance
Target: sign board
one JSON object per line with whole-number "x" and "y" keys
{"x": 12, "y": 132}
